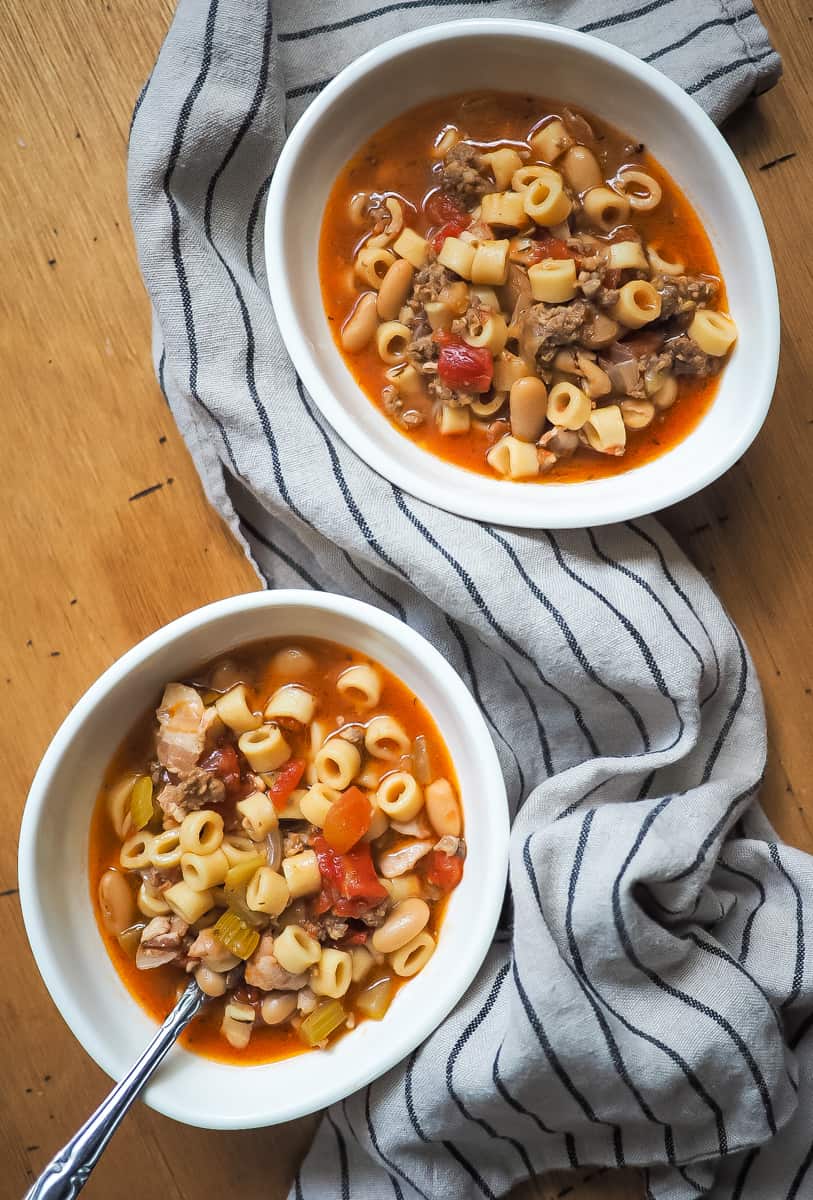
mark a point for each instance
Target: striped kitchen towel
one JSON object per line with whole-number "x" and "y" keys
{"x": 650, "y": 1001}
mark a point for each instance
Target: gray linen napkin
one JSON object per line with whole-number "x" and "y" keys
{"x": 649, "y": 1000}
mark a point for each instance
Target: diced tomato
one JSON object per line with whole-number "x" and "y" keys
{"x": 548, "y": 246}
{"x": 444, "y": 870}
{"x": 359, "y": 880}
{"x": 349, "y": 882}
{"x": 347, "y": 820}
{"x": 330, "y": 870}
{"x": 467, "y": 368}
{"x": 329, "y": 863}
{"x": 441, "y": 208}
{"x": 285, "y": 780}
{"x": 224, "y": 763}
{"x": 450, "y": 229}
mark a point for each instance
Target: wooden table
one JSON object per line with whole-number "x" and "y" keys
{"x": 106, "y": 533}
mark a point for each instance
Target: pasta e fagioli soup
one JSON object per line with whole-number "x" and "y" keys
{"x": 285, "y": 826}
{"x": 522, "y": 289}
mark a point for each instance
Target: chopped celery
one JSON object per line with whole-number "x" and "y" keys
{"x": 236, "y": 935}
{"x": 242, "y": 873}
{"x": 322, "y": 1022}
{"x": 234, "y": 889}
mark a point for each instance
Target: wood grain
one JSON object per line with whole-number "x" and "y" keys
{"x": 89, "y": 571}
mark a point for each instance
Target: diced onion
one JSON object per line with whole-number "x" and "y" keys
{"x": 273, "y": 849}
{"x": 375, "y": 999}
{"x": 420, "y": 759}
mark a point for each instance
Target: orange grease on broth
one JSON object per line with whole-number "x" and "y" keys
{"x": 397, "y": 159}
{"x": 157, "y": 990}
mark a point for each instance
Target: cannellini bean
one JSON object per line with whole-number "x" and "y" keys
{"x": 210, "y": 982}
{"x": 277, "y": 1007}
{"x": 442, "y": 807}
{"x": 116, "y": 902}
{"x": 359, "y": 328}
{"x": 565, "y": 360}
{"x": 404, "y": 923}
{"x": 601, "y": 331}
{"x": 394, "y": 289}
{"x": 397, "y": 862}
{"x": 666, "y": 394}
{"x": 637, "y": 414}
{"x": 291, "y": 663}
{"x": 580, "y": 169}
{"x": 527, "y": 405}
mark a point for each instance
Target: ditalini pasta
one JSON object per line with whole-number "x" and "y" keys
{"x": 286, "y": 826}
{"x": 498, "y": 262}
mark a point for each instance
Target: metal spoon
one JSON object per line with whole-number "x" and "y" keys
{"x": 67, "y": 1173}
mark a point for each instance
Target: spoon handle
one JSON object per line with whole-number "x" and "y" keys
{"x": 67, "y": 1173}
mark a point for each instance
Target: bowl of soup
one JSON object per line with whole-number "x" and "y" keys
{"x": 293, "y": 799}
{"x": 523, "y": 276}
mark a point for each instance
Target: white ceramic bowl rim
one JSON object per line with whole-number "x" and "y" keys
{"x": 354, "y": 1070}
{"x": 644, "y": 489}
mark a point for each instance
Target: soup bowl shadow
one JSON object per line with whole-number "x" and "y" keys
{"x": 55, "y": 887}
{"x": 523, "y": 56}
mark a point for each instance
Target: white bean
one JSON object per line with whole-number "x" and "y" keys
{"x": 116, "y": 902}
{"x": 210, "y": 982}
{"x": 580, "y": 168}
{"x": 277, "y": 1007}
{"x": 442, "y": 808}
{"x": 359, "y": 328}
{"x": 404, "y": 923}
{"x": 394, "y": 289}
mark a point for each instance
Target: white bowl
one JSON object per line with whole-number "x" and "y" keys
{"x": 53, "y": 864}
{"x": 539, "y": 59}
